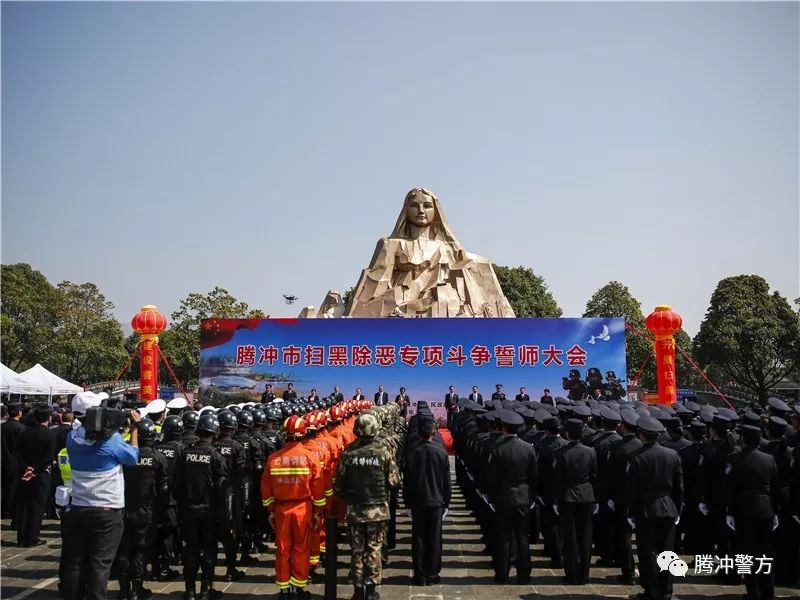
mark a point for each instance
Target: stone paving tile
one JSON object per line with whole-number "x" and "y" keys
{"x": 466, "y": 575}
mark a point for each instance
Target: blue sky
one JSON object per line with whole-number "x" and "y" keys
{"x": 160, "y": 149}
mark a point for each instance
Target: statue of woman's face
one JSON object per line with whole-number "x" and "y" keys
{"x": 420, "y": 210}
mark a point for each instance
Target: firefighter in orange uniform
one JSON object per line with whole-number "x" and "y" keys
{"x": 292, "y": 491}
{"x": 320, "y": 449}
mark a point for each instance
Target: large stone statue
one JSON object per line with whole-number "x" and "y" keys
{"x": 421, "y": 270}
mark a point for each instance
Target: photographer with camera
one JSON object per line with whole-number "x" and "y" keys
{"x": 92, "y": 524}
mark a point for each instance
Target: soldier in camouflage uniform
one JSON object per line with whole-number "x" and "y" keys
{"x": 366, "y": 475}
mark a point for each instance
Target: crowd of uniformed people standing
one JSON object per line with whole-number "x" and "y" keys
{"x": 585, "y": 476}
{"x": 245, "y": 476}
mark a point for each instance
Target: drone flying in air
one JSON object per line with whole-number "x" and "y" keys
{"x": 289, "y": 299}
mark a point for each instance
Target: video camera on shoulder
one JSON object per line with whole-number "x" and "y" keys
{"x": 101, "y": 422}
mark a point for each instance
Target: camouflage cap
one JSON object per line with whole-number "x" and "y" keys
{"x": 367, "y": 425}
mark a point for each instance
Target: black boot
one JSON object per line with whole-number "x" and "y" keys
{"x": 124, "y": 588}
{"x": 358, "y": 593}
{"x": 234, "y": 574}
{"x": 301, "y": 594}
{"x": 207, "y": 592}
{"x": 139, "y": 592}
{"x": 371, "y": 593}
{"x": 189, "y": 593}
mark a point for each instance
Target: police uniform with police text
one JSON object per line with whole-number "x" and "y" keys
{"x": 146, "y": 498}
{"x": 200, "y": 480}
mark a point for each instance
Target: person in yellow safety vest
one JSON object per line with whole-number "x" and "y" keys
{"x": 64, "y": 468}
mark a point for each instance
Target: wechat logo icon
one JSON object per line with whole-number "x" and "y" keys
{"x": 670, "y": 561}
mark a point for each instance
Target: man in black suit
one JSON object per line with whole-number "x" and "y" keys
{"x": 289, "y": 393}
{"x": 403, "y": 400}
{"x": 358, "y": 395}
{"x": 655, "y": 500}
{"x": 450, "y": 404}
{"x": 9, "y": 434}
{"x": 499, "y": 394}
{"x": 336, "y": 394}
{"x": 36, "y": 450}
{"x": 427, "y": 494}
{"x": 381, "y": 397}
{"x": 475, "y": 396}
{"x": 547, "y": 398}
{"x": 523, "y": 396}
{"x": 575, "y": 483}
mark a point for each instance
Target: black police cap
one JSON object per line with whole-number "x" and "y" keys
{"x": 609, "y": 414}
{"x": 510, "y": 418}
{"x": 698, "y": 427}
{"x": 751, "y": 429}
{"x": 574, "y": 426}
{"x": 649, "y": 425}
{"x": 541, "y": 415}
{"x": 777, "y": 405}
{"x": 581, "y": 410}
{"x": 692, "y": 406}
{"x": 750, "y": 418}
{"x": 777, "y": 426}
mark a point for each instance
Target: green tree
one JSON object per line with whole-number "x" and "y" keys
{"x": 347, "y": 297}
{"x": 181, "y": 342}
{"x": 527, "y": 292}
{"x": 28, "y": 316}
{"x": 615, "y": 300}
{"x": 749, "y": 335}
{"x": 88, "y": 344}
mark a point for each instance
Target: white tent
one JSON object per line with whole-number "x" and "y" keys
{"x": 38, "y": 380}
{"x": 7, "y": 377}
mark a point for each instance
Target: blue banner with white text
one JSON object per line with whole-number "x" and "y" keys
{"x": 239, "y": 357}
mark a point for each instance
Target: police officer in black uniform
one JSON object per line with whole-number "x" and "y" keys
{"x": 618, "y": 454}
{"x": 753, "y": 490}
{"x": 655, "y": 500}
{"x": 549, "y": 446}
{"x": 604, "y": 521}
{"x": 230, "y": 525}
{"x": 695, "y": 525}
{"x": 268, "y": 446}
{"x": 245, "y": 478}
{"x": 575, "y": 482}
{"x": 146, "y": 496}
{"x": 200, "y": 481}
{"x": 513, "y": 486}
{"x": 574, "y": 385}
{"x": 722, "y": 445}
{"x": 785, "y": 566}
{"x": 190, "y": 419}
{"x": 168, "y": 546}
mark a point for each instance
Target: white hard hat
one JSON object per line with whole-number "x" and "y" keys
{"x": 84, "y": 401}
{"x": 177, "y": 403}
{"x": 156, "y": 406}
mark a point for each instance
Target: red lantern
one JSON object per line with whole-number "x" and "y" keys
{"x": 148, "y": 323}
{"x": 663, "y": 322}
